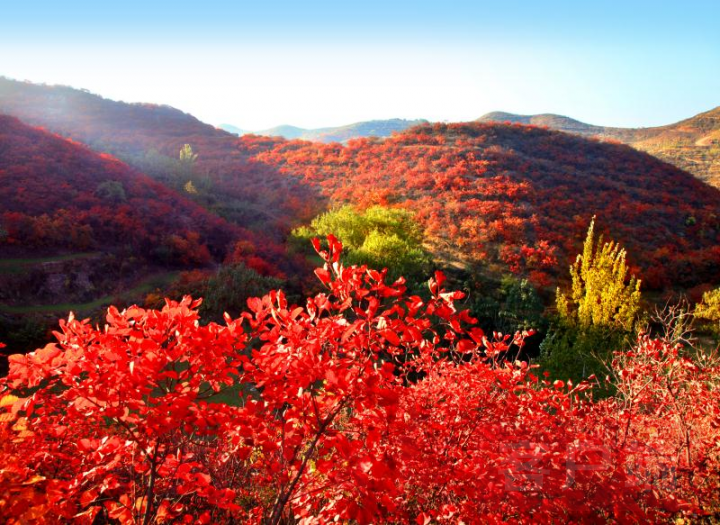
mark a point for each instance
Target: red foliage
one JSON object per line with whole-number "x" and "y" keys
{"x": 516, "y": 195}
{"x": 520, "y": 195}
{"x": 52, "y": 195}
{"x": 245, "y": 252}
{"x": 365, "y": 405}
{"x": 136, "y": 133}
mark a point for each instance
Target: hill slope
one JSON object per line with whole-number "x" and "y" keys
{"x": 692, "y": 144}
{"x": 106, "y": 124}
{"x": 44, "y": 175}
{"x": 59, "y": 197}
{"x": 519, "y": 197}
{"x": 150, "y": 138}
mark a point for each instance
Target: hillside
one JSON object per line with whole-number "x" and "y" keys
{"x": 692, "y": 144}
{"x": 150, "y": 138}
{"x": 370, "y": 128}
{"x": 519, "y": 197}
{"x": 503, "y": 196}
{"x": 97, "y": 199}
{"x": 126, "y": 129}
{"x": 90, "y": 221}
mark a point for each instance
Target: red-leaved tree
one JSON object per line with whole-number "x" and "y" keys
{"x": 365, "y": 405}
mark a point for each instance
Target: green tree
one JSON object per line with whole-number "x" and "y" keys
{"x": 389, "y": 250}
{"x": 230, "y": 288}
{"x": 507, "y": 306}
{"x": 380, "y": 237}
{"x": 522, "y": 308}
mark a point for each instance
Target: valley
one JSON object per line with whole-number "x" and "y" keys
{"x": 506, "y": 196}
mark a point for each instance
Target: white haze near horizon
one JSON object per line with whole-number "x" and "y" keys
{"x": 312, "y": 85}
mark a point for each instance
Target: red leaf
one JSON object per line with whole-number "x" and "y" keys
{"x": 392, "y": 337}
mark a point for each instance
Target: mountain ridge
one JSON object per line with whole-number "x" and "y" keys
{"x": 512, "y": 187}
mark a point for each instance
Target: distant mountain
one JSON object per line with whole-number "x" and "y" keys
{"x": 692, "y": 144}
{"x": 370, "y": 128}
{"x": 549, "y": 120}
{"x": 233, "y": 129}
{"x": 285, "y": 131}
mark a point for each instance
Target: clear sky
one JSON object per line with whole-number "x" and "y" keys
{"x": 313, "y": 64}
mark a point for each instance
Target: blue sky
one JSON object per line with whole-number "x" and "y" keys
{"x": 312, "y": 64}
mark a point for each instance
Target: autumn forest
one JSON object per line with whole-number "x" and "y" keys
{"x": 509, "y": 319}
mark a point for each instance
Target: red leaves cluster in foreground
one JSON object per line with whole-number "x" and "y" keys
{"x": 366, "y": 405}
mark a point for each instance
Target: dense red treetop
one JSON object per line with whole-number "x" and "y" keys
{"x": 520, "y": 195}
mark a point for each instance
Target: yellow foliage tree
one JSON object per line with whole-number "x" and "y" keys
{"x": 602, "y": 294}
{"x": 190, "y": 188}
{"x": 709, "y": 307}
{"x": 187, "y": 155}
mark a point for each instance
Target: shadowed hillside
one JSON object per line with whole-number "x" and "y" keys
{"x": 76, "y": 225}
{"x": 150, "y": 137}
{"x": 59, "y": 194}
